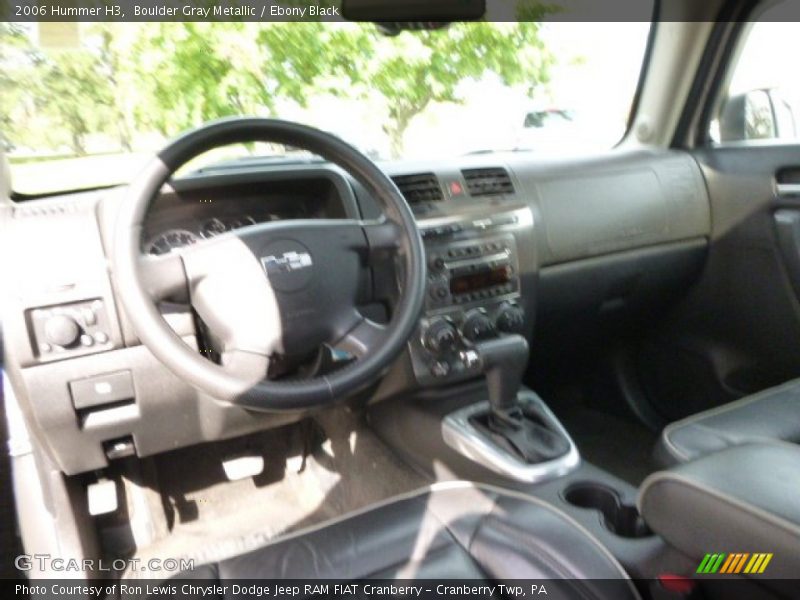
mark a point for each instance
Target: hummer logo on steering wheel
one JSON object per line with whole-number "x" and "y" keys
{"x": 288, "y": 262}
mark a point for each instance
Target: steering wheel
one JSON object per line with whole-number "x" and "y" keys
{"x": 275, "y": 288}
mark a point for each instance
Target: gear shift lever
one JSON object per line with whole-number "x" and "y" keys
{"x": 503, "y": 361}
{"x": 518, "y": 431}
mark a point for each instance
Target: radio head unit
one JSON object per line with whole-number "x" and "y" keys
{"x": 474, "y": 292}
{"x": 484, "y": 277}
{"x": 469, "y": 271}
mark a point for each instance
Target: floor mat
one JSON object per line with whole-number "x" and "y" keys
{"x": 211, "y": 518}
{"x": 617, "y": 444}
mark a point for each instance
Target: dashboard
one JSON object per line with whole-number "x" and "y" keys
{"x": 191, "y": 212}
{"x": 509, "y": 240}
{"x": 174, "y": 239}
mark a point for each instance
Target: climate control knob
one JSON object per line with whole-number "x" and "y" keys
{"x": 510, "y": 318}
{"x": 440, "y": 336}
{"x": 61, "y": 330}
{"x": 477, "y": 326}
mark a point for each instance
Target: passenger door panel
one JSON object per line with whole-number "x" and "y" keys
{"x": 738, "y": 331}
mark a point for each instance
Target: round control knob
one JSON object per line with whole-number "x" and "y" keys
{"x": 510, "y": 318}
{"x": 477, "y": 326}
{"x": 62, "y": 330}
{"x": 439, "y": 291}
{"x": 440, "y": 336}
{"x": 436, "y": 263}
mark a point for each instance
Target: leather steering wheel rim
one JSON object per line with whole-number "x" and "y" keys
{"x": 141, "y": 308}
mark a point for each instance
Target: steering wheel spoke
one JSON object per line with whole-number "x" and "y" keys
{"x": 384, "y": 237}
{"x": 164, "y": 277}
{"x": 230, "y": 293}
{"x": 362, "y": 339}
{"x": 246, "y": 366}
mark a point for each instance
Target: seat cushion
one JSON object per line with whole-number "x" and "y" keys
{"x": 739, "y": 503}
{"x": 773, "y": 414}
{"x": 453, "y": 530}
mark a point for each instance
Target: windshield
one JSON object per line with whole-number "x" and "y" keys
{"x": 84, "y": 104}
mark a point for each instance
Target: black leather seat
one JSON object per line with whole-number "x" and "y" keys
{"x": 450, "y": 531}
{"x": 773, "y": 414}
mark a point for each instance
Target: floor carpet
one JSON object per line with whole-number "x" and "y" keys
{"x": 209, "y": 518}
{"x": 615, "y": 443}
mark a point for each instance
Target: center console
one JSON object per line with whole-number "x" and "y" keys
{"x": 513, "y": 432}
{"x": 476, "y": 323}
{"x": 476, "y": 275}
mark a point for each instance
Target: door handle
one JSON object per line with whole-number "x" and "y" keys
{"x": 787, "y": 182}
{"x": 788, "y": 189}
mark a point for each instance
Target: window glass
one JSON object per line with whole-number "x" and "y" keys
{"x": 83, "y": 105}
{"x": 763, "y": 98}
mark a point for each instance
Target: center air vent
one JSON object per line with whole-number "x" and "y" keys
{"x": 488, "y": 182}
{"x": 423, "y": 187}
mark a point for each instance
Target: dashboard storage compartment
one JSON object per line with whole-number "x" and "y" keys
{"x": 621, "y": 519}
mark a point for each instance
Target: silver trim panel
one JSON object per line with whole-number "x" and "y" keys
{"x": 462, "y": 436}
{"x": 788, "y": 189}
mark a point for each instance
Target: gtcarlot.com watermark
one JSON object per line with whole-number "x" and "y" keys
{"x": 49, "y": 563}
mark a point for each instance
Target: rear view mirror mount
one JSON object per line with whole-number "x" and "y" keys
{"x": 413, "y": 11}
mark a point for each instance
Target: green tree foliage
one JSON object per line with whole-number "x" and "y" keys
{"x": 117, "y": 63}
{"x": 15, "y": 61}
{"x": 432, "y": 64}
{"x": 192, "y": 73}
{"x": 77, "y": 94}
{"x": 201, "y": 71}
{"x": 51, "y": 98}
{"x": 166, "y": 77}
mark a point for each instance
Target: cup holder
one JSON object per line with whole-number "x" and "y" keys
{"x": 621, "y": 519}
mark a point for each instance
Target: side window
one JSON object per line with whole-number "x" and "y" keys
{"x": 762, "y": 101}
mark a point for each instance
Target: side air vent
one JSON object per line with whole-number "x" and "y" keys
{"x": 488, "y": 182}
{"x": 423, "y": 187}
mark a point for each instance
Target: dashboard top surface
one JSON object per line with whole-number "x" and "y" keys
{"x": 584, "y": 206}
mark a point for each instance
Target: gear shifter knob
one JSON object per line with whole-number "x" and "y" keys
{"x": 503, "y": 361}
{"x": 509, "y": 424}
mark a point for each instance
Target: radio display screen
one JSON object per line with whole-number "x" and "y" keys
{"x": 471, "y": 282}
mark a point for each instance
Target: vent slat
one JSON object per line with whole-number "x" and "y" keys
{"x": 488, "y": 182}
{"x": 421, "y": 187}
